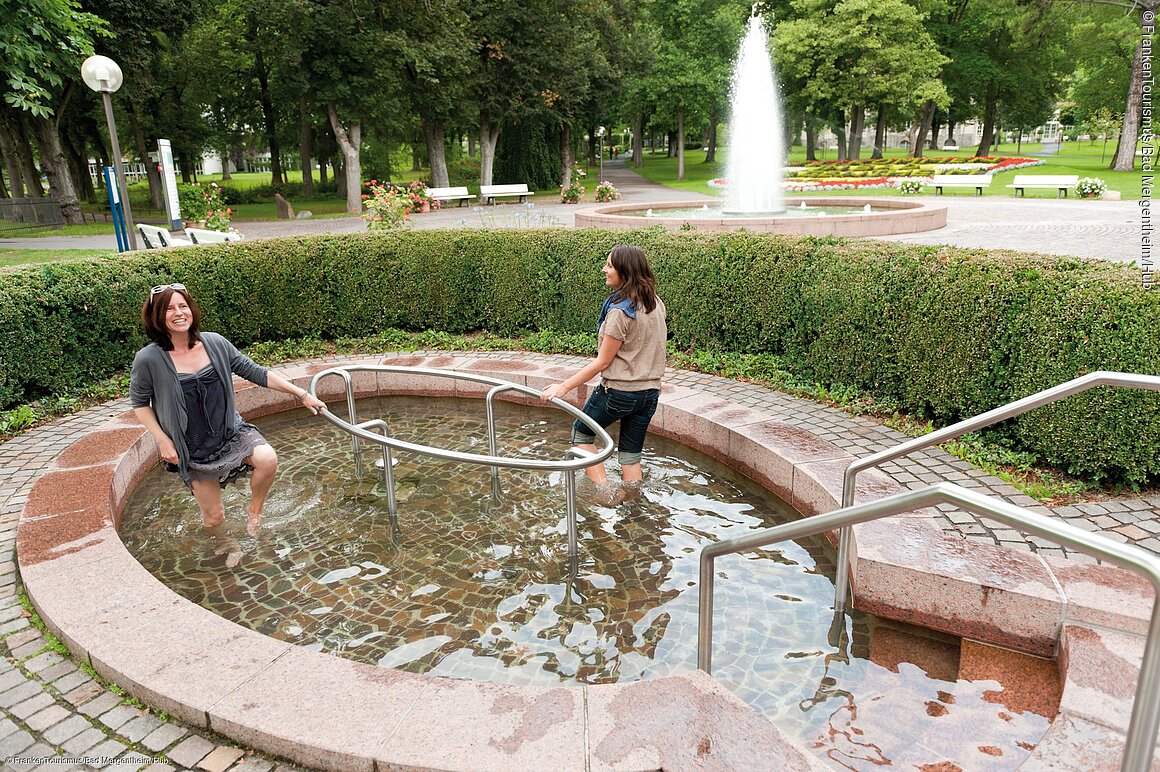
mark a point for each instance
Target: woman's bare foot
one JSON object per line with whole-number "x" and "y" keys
{"x": 224, "y": 544}
{"x": 253, "y": 522}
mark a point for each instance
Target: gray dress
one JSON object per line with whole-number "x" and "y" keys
{"x": 218, "y": 448}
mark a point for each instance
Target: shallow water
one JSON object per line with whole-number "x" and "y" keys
{"x": 470, "y": 588}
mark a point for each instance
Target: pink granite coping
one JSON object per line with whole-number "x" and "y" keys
{"x": 330, "y": 713}
{"x": 892, "y": 217}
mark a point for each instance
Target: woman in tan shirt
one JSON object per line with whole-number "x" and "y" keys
{"x": 631, "y": 334}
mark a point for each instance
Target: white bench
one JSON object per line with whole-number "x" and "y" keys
{"x": 950, "y": 147}
{"x": 159, "y": 238}
{"x": 1060, "y": 182}
{"x": 976, "y": 181}
{"x": 489, "y": 193}
{"x": 459, "y": 194}
{"x": 205, "y": 236}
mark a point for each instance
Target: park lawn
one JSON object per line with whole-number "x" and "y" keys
{"x": 88, "y": 229}
{"x": 1075, "y": 158}
{"x": 18, "y": 257}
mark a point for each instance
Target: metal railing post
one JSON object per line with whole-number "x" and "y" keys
{"x": 1010, "y": 410}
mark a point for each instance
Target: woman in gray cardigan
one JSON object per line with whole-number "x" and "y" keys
{"x": 181, "y": 389}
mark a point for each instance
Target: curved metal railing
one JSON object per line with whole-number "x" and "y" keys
{"x": 1010, "y": 410}
{"x": 1145, "y": 719}
{"x": 574, "y": 458}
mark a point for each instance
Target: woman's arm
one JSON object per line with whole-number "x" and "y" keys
{"x": 609, "y": 346}
{"x": 148, "y": 419}
{"x": 278, "y": 383}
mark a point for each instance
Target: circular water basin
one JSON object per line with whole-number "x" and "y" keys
{"x": 821, "y": 217}
{"x": 470, "y": 588}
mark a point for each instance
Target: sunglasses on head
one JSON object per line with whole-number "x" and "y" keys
{"x": 162, "y": 287}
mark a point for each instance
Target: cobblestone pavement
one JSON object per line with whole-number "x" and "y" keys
{"x": 1094, "y": 229}
{"x": 50, "y": 706}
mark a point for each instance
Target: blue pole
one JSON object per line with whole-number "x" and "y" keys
{"x": 115, "y": 210}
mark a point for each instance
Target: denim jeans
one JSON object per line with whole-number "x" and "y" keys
{"x": 634, "y": 410}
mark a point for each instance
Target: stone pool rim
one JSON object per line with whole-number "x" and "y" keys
{"x": 323, "y": 711}
{"x": 893, "y": 218}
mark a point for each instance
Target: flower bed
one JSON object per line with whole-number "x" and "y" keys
{"x": 884, "y": 173}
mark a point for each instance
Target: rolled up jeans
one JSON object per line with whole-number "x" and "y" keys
{"x": 634, "y": 410}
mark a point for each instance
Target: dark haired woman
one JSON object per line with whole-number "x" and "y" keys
{"x": 181, "y": 389}
{"x": 631, "y": 335}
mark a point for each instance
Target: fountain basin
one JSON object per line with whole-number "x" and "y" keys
{"x": 889, "y": 217}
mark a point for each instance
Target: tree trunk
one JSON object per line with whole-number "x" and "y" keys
{"x": 435, "y": 152}
{"x": 566, "y": 155}
{"x": 879, "y": 132}
{"x": 1125, "y": 158}
{"x": 305, "y": 140}
{"x": 951, "y": 132}
{"x": 78, "y": 166}
{"x": 269, "y": 113}
{"x": 321, "y": 172}
{"x": 934, "y": 126}
{"x": 923, "y": 127}
{"x": 839, "y": 127}
{"x": 711, "y": 155}
{"x": 671, "y": 140}
{"x": 681, "y": 142}
{"x": 638, "y": 140}
{"x": 28, "y": 170}
{"x": 349, "y": 140}
{"x": 857, "y": 123}
{"x": 811, "y": 141}
{"x": 992, "y": 106}
{"x": 11, "y": 159}
{"x": 488, "y": 138}
{"x": 156, "y": 197}
{"x": 339, "y": 176}
{"x": 470, "y": 145}
{"x": 60, "y": 183}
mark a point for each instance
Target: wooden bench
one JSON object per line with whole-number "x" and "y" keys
{"x": 976, "y": 181}
{"x": 1061, "y": 182}
{"x": 159, "y": 238}
{"x": 459, "y": 194}
{"x": 489, "y": 193}
{"x": 205, "y": 236}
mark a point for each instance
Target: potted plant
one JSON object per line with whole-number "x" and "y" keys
{"x": 574, "y": 190}
{"x": 606, "y": 191}
{"x": 1090, "y": 187}
{"x": 911, "y": 186}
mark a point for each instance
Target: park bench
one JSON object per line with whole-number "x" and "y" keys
{"x": 205, "y": 236}
{"x": 1060, "y": 182}
{"x": 976, "y": 181}
{"x": 459, "y": 194}
{"x": 159, "y": 238}
{"x": 489, "y": 193}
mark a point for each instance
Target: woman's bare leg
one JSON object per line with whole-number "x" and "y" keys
{"x": 596, "y": 473}
{"x": 208, "y": 495}
{"x": 265, "y": 463}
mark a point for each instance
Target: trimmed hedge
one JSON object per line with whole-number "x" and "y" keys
{"x": 944, "y": 333}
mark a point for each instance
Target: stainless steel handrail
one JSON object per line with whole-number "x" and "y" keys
{"x": 1054, "y": 394}
{"x": 1145, "y": 719}
{"x": 578, "y": 460}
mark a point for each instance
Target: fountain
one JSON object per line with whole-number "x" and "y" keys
{"x": 753, "y": 197}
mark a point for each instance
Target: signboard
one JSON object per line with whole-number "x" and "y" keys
{"x": 169, "y": 184}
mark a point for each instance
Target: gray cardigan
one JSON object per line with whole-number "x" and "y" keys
{"x": 153, "y": 383}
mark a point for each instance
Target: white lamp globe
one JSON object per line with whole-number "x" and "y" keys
{"x": 101, "y": 73}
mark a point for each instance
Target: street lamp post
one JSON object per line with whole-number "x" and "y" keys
{"x": 102, "y": 74}
{"x": 600, "y": 135}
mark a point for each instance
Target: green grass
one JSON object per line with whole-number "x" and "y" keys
{"x": 88, "y": 229}
{"x": 1080, "y": 158}
{"x": 17, "y": 257}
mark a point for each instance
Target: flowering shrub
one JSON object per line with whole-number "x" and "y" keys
{"x": 911, "y": 185}
{"x": 387, "y": 206}
{"x": 218, "y": 219}
{"x": 574, "y": 190}
{"x": 204, "y": 204}
{"x": 1090, "y": 187}
{"x": 605, "y": 191}
{"x": 416, "y": 191}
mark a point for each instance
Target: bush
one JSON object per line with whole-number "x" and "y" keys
{"x": 943, "y": 333}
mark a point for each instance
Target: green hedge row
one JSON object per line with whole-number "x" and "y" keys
{"x": 944, "y": 333}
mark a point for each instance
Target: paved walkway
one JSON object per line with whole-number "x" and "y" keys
{"x": 51, "y": 706}
{"x": 1095, "y": 229}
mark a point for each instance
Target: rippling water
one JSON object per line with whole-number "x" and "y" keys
{"x": 470, "y": 588}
